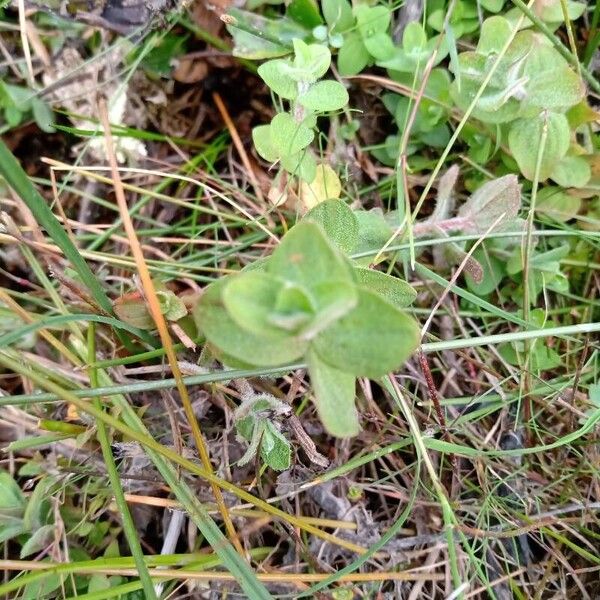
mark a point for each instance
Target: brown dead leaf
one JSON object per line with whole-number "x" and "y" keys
{"x": 189, "y": 70}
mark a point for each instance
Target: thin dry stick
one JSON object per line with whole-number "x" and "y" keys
{"x": 25, "y": 43}
{"x": 159, "y": 320}
{"x": 93, "y": 173}
{"x": 238, "y": 511}
{"x": 238, "y": 145}
{"x": 291, "y": 578}
{"x": 433, "y": 396}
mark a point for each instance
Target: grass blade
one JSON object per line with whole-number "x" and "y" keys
{"x": 18, "y": 180}
{"x": 129, "y": 528}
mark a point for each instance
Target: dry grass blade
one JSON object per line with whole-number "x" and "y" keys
{"x": 161, "y": 325}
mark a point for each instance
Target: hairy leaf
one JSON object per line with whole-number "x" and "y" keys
{"x": 334, "y": 393}
{"x": 227, "y": 337}
{"x": 274, "y": 75}
{"x": 324, "y": 96}
{"x": 496, "y": 199}
{"x": 287, "y": 136}
{"x": 525, "y": 137}
{"x": 306, "y": 257}
{"x": 397, "y": 291}
{"x": 371, "y": 340}
{"x": 338, "y": 221}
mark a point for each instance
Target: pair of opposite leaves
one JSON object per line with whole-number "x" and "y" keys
{"x": 308, "y": 302}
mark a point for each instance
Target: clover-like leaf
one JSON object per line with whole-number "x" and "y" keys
{"x": 552, "y": 84}
{"x": 372, "y": 19}
{"x": 334, "y": 396}
{"x": 572, "y": 171}
{"x": 311, "y": 61}
{"x": 495, "y": 32}
{"x": 380, "y": 46}
{"x": 289, "y": 137}
{"x": 397, "y": 291}
{"x": 338, "y": 221}
{"x": 273, "y": 73}
{"x": 557, "y": 204}
{"x": 325, "y": 96}
{"x": 338, "y": 15}
{"x": 261, "y": 137}
{"x": 353, "y": 56}
{"x": 371, "y": 340}
{"x": 525, "y": 137}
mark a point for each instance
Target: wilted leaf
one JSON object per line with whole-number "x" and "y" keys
{"x": 497, "y": 201}
{"x": 325, "y": 185}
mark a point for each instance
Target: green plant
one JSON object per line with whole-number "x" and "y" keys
{"x": 256, "y": 423}
{"x": 531, "y": 91}
{"x": 309, "y": 302}
{"x": 430, "y": 126}
{"x": 465, "y": 17}
{"x": 19, "y": 103}
{"x": 287, "y": 138}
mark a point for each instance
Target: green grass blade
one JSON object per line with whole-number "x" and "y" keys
{"x": 129, "y": 528}
{"x": 13, "y": 336}
{"x": 16, "y": 177}
{"x": 133, "y": 427}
